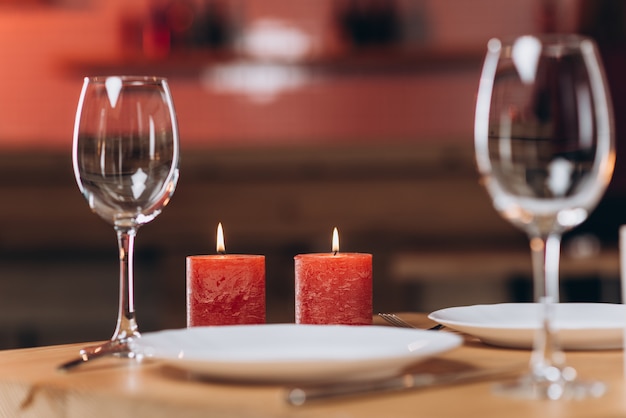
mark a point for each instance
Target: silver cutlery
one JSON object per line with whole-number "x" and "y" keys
{"x": 396, "y": 321}
{"x": 299, "y": 396}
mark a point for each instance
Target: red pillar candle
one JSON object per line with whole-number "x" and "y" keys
{"x": 225, "y": 289}
{"x": 334, "y": 288}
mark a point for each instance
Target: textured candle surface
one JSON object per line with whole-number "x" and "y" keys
{"x": 334, "y": 288}
{"x": 225, "y": 290}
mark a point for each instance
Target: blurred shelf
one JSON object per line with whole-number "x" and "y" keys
{"x": 375, "y": 62}
{"x": 392, "y": 62}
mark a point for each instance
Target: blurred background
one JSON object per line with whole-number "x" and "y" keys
{"x": 295, "y": 117}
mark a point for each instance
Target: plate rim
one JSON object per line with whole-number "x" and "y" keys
{"x": 435, "y": 316}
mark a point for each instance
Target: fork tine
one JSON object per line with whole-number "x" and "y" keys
{"x": 395, "y": 320}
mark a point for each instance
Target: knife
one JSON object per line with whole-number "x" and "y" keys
{"x": 298, "y": 396}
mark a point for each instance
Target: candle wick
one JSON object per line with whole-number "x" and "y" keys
{"x": 222, "y": 252}
{"x": 335, "y": 253}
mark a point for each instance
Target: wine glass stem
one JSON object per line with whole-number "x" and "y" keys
{"x": 545, "y": 260}
{"x": 126, "y": 321}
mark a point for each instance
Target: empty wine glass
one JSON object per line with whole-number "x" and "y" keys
{"x": 125, "y": 157}
{"x": 544, "y": 149}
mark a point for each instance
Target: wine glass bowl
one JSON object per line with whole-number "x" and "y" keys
{"x": 544, "y": 149}
{"x": 125, "y": 148}
{"x": 125, "y": 158}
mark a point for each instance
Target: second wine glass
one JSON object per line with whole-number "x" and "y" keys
{"x": 544, "y": 149}
{"x": 125, "y": 157}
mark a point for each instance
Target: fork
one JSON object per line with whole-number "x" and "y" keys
{"x": 396, "y": 321}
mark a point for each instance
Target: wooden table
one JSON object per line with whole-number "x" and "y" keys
{"x": 31, "y": 387}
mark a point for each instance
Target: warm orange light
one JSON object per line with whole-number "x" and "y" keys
{"x": 335, "y": 241}
{"x": 221, "y": 248}
{"x": 536, "y": 244}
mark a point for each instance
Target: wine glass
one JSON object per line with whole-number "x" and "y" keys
{"x": 125, "y": 157}
{"x": 544, "y": 149}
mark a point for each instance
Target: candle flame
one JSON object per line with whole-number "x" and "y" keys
{"x": 221, "y": 248}
{"x": 335, "y": 241}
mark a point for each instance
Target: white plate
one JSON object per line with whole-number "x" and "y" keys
{"x": 580, "y": 326}
{"x": 294, "y": 353}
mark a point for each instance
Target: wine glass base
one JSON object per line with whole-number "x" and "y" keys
{"x": 113, "y": 348}
{"x": 110, "y": 348}
{"x": 529, "y": 387}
